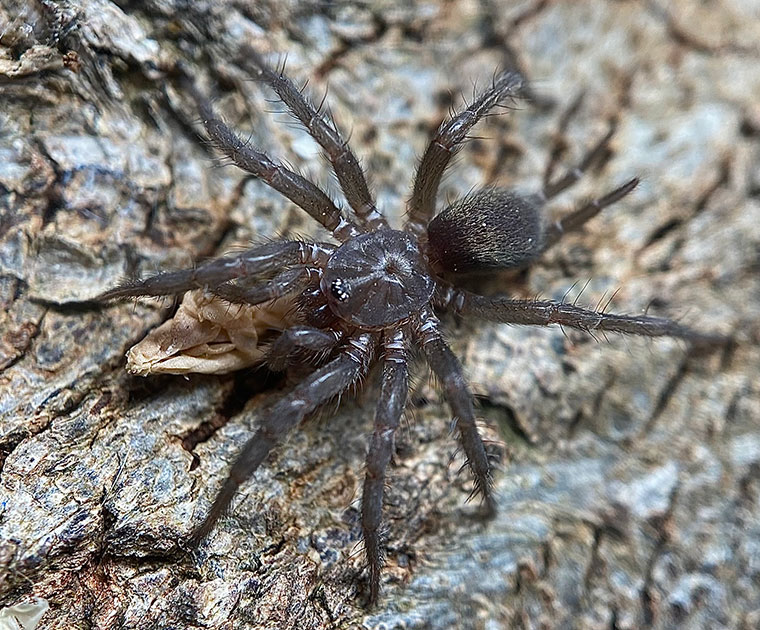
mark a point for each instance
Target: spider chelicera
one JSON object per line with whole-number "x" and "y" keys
{"x": 375, "y": 294}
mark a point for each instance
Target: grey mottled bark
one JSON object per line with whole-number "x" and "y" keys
{"x": 630, "y": 495}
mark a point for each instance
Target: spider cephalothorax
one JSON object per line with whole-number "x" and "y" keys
{"x": 376, "y": 294}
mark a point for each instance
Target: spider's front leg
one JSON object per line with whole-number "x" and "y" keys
{"x": 305, "y": 338}
{"x": 257, "y": 262}
{"x": 284, "y": 283}
{"x": 338, "y": 375}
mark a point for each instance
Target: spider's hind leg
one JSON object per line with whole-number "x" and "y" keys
{"x": 597, "y": 154}
{"x": 548, "y": 312}
{"x": 578, "y": 217}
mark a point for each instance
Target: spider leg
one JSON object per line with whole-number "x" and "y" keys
{"x": 444, "y": 144}
{"x": 293, "y": 186}
{"x": 289, "y": 281}
{"x": 547, "y": 312}
{"x": 560, "y": 143}
{"x": 387, "y": 417}
{"x": 591, "y": 157}
{"x": 251, "y": 263}
{"x": 313, "y": 340}
{"x": 283, "y": 416}
{"x": 346, "y": 167}
{"x": 446, "y": 367}
{"x": 578, "y": 217}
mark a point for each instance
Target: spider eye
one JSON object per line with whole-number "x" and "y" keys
{"x": 339, "y": 290}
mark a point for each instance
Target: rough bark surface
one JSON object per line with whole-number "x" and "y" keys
{"x": 629, "y": 495}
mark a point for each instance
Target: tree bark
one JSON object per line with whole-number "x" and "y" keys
{"x": 628, "y": 485}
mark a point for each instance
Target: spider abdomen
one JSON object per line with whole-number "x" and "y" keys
{"x": 488, "y": 229}
{"x": 377, "y": 279}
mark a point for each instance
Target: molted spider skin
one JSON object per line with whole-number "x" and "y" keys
{"x": 208, "y": 336}
{"x": 374, "y": 296}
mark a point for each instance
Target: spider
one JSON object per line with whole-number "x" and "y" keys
{"x": 376, "y": 294}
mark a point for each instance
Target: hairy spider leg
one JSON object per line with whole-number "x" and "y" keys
{"x": 344, "y": 163}
{"x": 298, "y": 189}
{"x": 559, "y": 143}
{"x": 390, "y": 406}
{"x": 578, "y": 217}
{"x": 547, "y": 312}
{"x": 447, "y": 368}
{"x": 284, "y": 283}
{"x": 325, "y": 383}
{"x": 312, "y": 340}
{"x": 252, "y": 263}
{"x": 446, "y": 141}
{"x": 575, "y": 173}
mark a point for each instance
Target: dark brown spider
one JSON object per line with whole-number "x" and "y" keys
{"x": 376, "y": 294}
